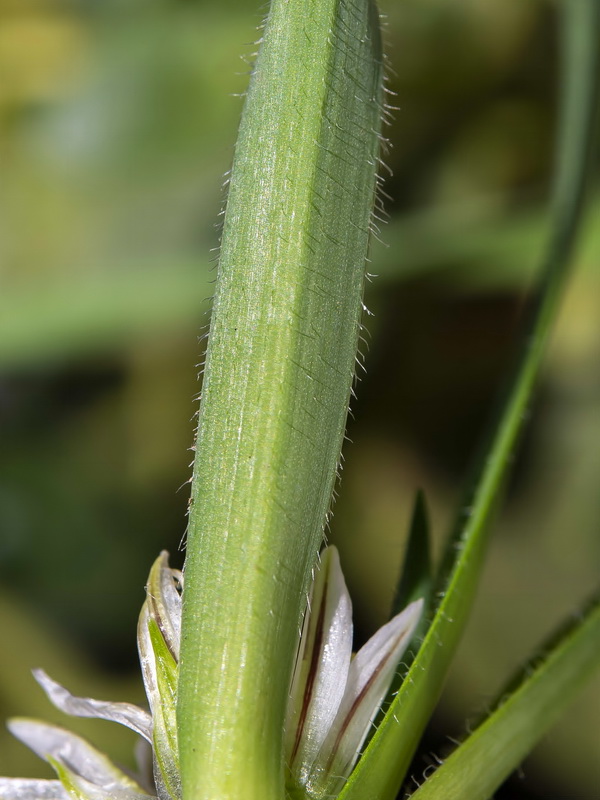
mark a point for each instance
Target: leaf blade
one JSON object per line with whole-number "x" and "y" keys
{"x": 397, "y": 737}
{"x": 416, "y": 578}
{"x": 504, "y": 738}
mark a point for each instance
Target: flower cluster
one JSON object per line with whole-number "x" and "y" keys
{"x": 335, "y": 696}
{"x": 333, "y": 700}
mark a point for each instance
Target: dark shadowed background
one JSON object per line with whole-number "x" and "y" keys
{"x": 117, "y": 123}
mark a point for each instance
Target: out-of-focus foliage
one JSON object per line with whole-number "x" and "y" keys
{"x": 117, "y": 122}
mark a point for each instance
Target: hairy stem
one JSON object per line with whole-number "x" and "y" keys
{"x": 280, "y": 364}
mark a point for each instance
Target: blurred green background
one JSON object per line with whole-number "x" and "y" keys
{"x": 117, "y": 122}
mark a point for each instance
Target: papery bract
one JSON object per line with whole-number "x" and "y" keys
{"x": 86, "y": 774}
{"x": 333, "y": 700}
{"x": 334, "y": 697}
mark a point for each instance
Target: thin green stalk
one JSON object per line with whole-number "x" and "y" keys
{"x": 280, "y": 364}
{"x": 397, "y": 737}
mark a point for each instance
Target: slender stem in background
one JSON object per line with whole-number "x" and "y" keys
{"x": 581, "y": 63}
{"x": 280, "y": 364}
{"x": 398, "y": 735}
{"x": 579, "y": 91}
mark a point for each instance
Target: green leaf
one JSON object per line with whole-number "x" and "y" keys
{"x": 382, "y": 768}
{"x": 416, "y": 582}
{"x": 417, "y": 571}
{"x": 479, "y": 765}
{"x": 280, "y": 364}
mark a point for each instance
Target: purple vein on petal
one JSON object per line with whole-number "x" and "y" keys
{"x": 312, "y": 672}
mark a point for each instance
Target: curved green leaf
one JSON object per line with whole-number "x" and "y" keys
{"x": 416, "y": 578}
{"x": 379, "y": 773}
{"x": 479, "y": 765}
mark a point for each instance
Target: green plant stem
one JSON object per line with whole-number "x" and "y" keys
{"x": 280, "y": 364}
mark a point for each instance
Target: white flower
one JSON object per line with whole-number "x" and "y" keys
{"x": 334, "y": 696}
{"x": 83, "y": 772}
{"x": 333, "y": 700}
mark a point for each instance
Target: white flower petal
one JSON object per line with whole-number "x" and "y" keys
{"x": 321, "y": 668}
{"x": 31, "y": 789}
{"x": 127, "y": 714}
{"x": 54, "y": 744}
{"x": 369, "y": 678}
{"x": 147, "y": 661}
